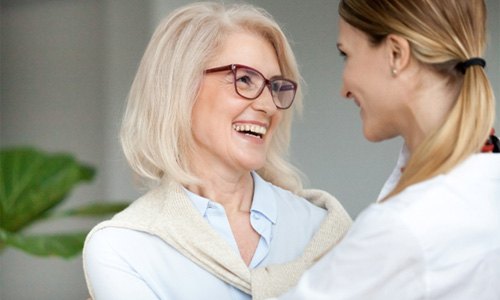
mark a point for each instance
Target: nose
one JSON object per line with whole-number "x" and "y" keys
{"x": 344, "y": 92}
{"x": 265, "y": 102}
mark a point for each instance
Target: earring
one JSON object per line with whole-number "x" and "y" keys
{"x": 394, "y": 72}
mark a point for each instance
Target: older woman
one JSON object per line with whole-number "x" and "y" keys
{"x": 208, "y": 124}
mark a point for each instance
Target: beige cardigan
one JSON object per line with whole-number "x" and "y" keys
{"x": 163, "y": 212}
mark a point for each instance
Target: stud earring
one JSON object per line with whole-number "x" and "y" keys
{"x": 394, "y": 72}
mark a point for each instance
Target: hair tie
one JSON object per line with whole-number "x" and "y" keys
{"x": 492, "y": 143}
{"x": 475, "y": 61}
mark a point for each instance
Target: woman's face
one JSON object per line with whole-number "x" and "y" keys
{"x": 226, "y": 127}
{"x": 368, "y": 81}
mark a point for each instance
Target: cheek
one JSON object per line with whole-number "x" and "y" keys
{"x": 353, "y": 76}
{"x": 278, "y": 117}
{"x": 199, "y": 112}
{"x": 277, "y": 122}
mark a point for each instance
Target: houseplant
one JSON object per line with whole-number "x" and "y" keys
{"x": 33, "y": 184}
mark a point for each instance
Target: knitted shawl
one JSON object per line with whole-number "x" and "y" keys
{"x": 165, "y": 212}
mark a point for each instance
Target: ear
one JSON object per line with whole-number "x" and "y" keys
{"x": 399, "y": 52}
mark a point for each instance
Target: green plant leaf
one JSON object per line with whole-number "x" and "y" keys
{"x": 97, "y": 209}
{"x": 63, "y": 245}
{"x": 33, "y": 182}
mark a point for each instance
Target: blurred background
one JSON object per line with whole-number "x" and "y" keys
{"x": 65, "y": 71}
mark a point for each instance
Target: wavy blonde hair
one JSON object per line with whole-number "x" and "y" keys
{"x": 156, "y": 129}
{"x": 441, "y": 35}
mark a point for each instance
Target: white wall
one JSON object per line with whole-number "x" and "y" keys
{"x": 52, "y": 97}
{"x": 66, "y": 67}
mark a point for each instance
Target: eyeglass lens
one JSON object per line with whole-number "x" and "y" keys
{"x": 250, "y": 84}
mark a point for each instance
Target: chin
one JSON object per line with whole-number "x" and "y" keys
{"x": 372, "y": 136}
{"x": 372, "y": 139}
{"x": 252, "y": 160}
{"x": 254, "y": 167}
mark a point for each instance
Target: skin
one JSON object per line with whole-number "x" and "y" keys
{"x": 223, "y": 157}
{"x": 411, "y": 102}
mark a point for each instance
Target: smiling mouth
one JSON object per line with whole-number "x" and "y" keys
{"x": 251, "y": 130}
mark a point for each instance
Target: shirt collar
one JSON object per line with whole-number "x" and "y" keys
{"x": 199, "y": 202}
{"x": 393, "y": 179}
{"x": 264, "y": 199}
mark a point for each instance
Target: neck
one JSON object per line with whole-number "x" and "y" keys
{"x": 433, "y": 100}
{"x": 233, "y": 191}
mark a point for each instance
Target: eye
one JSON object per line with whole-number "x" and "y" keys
{"x": 281, "y": 86}
{"x": 342, "y": 54}
{"x": 247, "y": 79}
{"x": 244, "y": 79}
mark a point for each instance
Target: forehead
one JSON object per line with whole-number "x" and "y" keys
{"x": 247, "y": 48}
{"x": 349, "y": 34}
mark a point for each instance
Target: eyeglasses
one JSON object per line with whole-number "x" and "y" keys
{"x": 249, "y": 84}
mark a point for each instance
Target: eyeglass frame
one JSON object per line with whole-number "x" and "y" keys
{"x": 267, "y": 82}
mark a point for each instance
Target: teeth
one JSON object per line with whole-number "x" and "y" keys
{"x": 259, "y": 130}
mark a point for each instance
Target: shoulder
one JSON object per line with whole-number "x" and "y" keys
{"x": 379, "y": 220}
{"x": 314, "y": 209}
{"x": 130, "y": 225}
{"x": 465, "y": 187}
{"x": 312, "y": 212}
{"x": 293, "y": 203}
{"x": 448, "y": 209}
{"x": 102, "y": 237}
{"x": 418, "y": 209}
{"x": 124, "y": 249}
{"x": 472, "y": 176}
{"x": 109, "y": 237}
{"x": 293, "y": 213}
{"x": 285, "y": 202}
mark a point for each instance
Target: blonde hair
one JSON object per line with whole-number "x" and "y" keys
{"x": 441, "y": 35}
{"x": 156, "y": 129}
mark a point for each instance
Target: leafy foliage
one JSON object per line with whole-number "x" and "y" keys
{"x": 32, "y": 185}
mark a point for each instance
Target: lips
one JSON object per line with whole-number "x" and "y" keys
{"x": 251, "y": 129}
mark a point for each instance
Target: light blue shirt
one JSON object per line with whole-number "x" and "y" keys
{"x": 128, "y": 264}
